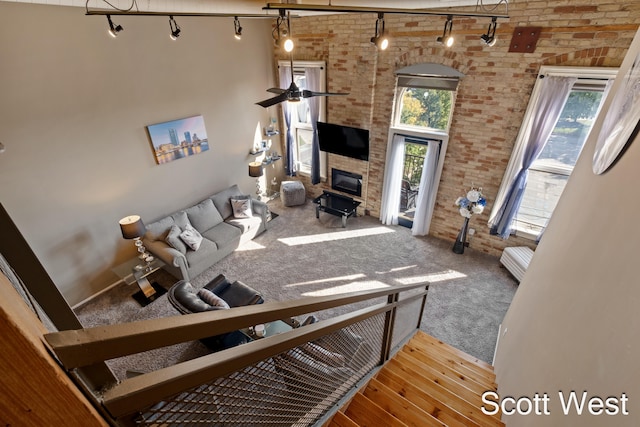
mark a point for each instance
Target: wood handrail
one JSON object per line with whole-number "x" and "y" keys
{"x": 144, "y": 390}
{"x": 83, "y": 347}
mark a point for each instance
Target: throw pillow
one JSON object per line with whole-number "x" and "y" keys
{"x": 212, "y": 299}
{"x": 191, "y": 237}
{"x": 241, "y": 207}
{"x": 173, "y": 239}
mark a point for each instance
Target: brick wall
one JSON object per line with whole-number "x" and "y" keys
{"x": 491, "y": 99}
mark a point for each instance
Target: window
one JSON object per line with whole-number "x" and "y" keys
{"x": 302, "y": 129}
{"x": 562, "y": 109}
{"x": 425, "y": 108}
{"x": 550, "y": 172}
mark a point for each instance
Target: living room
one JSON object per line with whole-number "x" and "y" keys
{"x": 76, "y": 102}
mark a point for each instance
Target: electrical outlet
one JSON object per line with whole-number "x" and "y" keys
{"x": 472, "y": 231}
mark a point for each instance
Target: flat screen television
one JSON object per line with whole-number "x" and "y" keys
{"x": 344, "y": 140}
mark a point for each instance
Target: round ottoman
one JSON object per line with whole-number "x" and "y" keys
{"x": 292, "y": 193}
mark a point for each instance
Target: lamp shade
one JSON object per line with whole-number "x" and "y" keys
{"x": 132, "y": 227}
{"x": 255, "y": 169}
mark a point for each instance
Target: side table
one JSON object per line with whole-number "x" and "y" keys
{"x": 136, "y": 271}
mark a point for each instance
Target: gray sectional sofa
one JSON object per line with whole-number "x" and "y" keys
{"x": 221, "y": 233}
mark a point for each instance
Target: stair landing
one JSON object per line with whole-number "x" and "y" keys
{"x": 426, "y": 383}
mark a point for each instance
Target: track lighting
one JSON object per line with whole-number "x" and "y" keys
{"x": 282, "y": 33}
{"x": 175, "y": 28}
{"x": 113, "y": 29}
{"x": 490, "y": 38}
{"x": 380, "y": 39}
{"x": 447, "y": 39}
{"x": 237, "y": 28}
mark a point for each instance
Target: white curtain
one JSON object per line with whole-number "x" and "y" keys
{"x": 390, "y": 204}
{"x": 427, "y": 191}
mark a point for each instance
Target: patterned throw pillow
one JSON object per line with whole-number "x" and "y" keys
{"x": 241, "y": 207}
{"x": 191, "y": 237}
{"x": 212, "y": 299}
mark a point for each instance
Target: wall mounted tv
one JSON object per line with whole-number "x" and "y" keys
{"x": 344, "y": 140}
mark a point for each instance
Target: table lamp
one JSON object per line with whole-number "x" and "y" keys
{"x": 132, "y": 227}
{"x": 256, "y": 171}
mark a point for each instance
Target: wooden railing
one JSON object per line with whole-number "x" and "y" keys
{"x": 79, "y": 348}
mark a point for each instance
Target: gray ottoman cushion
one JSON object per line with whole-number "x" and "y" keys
{"x": 292, "y": 193}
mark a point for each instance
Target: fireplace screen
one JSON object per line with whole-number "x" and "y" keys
{"x": 346, "y": 182}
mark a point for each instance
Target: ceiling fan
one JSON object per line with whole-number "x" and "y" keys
{"x": 292, "y": 93}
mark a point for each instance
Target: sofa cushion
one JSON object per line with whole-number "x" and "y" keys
{"x": 222, "y": 202}
{"x": 191, "y": 237}
{"x": 212, "y": 299}
{"x": 174, "y": 240}
{"x": 246, "y": 224}
{"x": 223, "y": 234}
{"x": 160, "y": 229}
{"x": 204, "y": 215}
{"x": 204, "y": 253}
{"x": 180, "y": 219}
{"x": 241, "y": 206}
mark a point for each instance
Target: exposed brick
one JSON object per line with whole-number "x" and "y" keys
{"x": 492, "y": 97}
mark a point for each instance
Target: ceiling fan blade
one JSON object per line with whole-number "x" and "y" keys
{"x": 273, "y": 101}
{"x": 276, "y": 90}
{"x": 309, "y": 94}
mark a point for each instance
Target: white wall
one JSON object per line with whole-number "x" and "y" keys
{"x": 74, "y": 104}
{"x": 573, "y": 322}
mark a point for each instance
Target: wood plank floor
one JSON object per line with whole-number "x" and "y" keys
{"x": 426, "y": 383}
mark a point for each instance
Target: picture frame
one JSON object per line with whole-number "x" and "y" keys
{"x": 177, "y": 139}
{"x": 622, "y": 123}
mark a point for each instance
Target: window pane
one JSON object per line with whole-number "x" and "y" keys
{"x": 428, "y": 108}
{"x": 573, "y": 127}
{"x": 304, "y": 140}
{"x": 301, "y": 109}
{"x": 540, "y": 198}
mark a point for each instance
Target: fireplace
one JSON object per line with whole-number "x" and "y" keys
{"x": 346, "y": 182}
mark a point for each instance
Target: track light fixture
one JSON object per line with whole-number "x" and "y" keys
{"x": 113, "y": 29}
{"x": 447, "y": 39}
{"x": 282, "y": 32}
{"x": 380, "y": 39}
{"x": 175, "y": 28}
{"x": 490, "y": 38}
{"x": 237, "y": 28}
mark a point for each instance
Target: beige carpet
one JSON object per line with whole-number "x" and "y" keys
{"x": 300, "y": 255}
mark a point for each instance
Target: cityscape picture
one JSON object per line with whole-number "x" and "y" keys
{"x": 178, "y": 138}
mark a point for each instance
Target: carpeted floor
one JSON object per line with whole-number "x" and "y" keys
{"x": 300, "y": 255}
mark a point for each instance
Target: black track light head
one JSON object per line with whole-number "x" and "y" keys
{"x": 380, "y": 38}
{"x": 113, "y": 29}
{"x": 175, "y": 29}
{"x": 447, "y": 39}
{"x": 490, "y": 37}
{"x": 237, "y": 28}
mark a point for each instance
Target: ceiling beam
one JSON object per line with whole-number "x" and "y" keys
{"x": 385, "y": 10}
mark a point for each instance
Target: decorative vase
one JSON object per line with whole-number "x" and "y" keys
{"x": 461, "y": 240}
